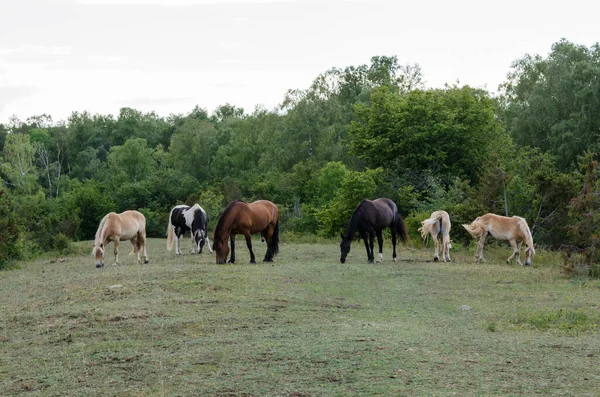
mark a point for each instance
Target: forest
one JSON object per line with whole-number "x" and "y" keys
{"x": 357, "y": 132}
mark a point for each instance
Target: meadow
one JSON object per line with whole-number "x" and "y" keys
{"x": 305, "y": 325}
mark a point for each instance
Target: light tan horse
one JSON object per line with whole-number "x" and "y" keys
{"x": 514, "y": 229}
{"x": 128, "y": 225}
{"x": 438, "y": 223}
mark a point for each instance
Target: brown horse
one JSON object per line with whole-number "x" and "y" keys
{"x": 514, "y": 229}
{"x": 128, "y": 225}
{"x": 261, "y": 216}
{"x": 438, "y": 223}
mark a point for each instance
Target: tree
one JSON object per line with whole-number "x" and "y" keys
{"x": 10, "y": 234}
{"x": 552, "y": 103}
{"x": 18, "y": 165}
{"x": 134, "y": 158}
{"x": 192, "y": 147}
{"x": 446, "y": 132}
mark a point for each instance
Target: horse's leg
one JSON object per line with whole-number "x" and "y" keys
{"x": 436, "y": 244}
{"x": 365, "y": 236}
{"x": 177, "y": 242}
{"x": 142, "y": 243}
{"x": 193, "y": 249}
{"x": 208, "y": 244}
{"x": 394, "y": 244}
{"x": 232, "y": 240}
{"x": 480, "y": 244}
{"x": 134, "y": 242}
{"x": 116, "y": 243}
{"x": 380, "y": 243}
{"x": 249, "y": 245}
{"x": 268, "y": 236}
{"x": 371, "y": 242}
{"x": 446, "y": 247}
{"x": 513, "y": 244}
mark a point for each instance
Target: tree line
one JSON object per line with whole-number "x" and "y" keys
{"x": 357, "y": 132}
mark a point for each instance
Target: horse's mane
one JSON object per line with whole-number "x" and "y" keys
{"x": 522, "y": 222}
{"x": 98, "y": 237}
{"x": 101, "y": 228}
{"x": 221, "y": 221}
{"x": 353, "y": 224}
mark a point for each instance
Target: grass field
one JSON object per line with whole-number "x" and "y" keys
{"x": 305, "y": 325}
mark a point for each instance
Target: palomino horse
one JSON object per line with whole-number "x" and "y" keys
{"x": 514, "y": 229}
{"x": 183, "y": 218}
{"x": 261, "y": 216}
{"x": 438, "y": 223}
{"x": 128, "y": 225}
{"x": 369, "y": 219}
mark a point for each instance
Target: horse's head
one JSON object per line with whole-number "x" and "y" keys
{"x": 529, "y": 253}
{"x": 221, "y": 250}
{"x": 199, "y": 239}
{"x": 345, "y": 248}
{"x": 98, "y": 252}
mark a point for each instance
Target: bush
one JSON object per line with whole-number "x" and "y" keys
{"x": 11, "y": 245}
{"x": 62, "y": 243}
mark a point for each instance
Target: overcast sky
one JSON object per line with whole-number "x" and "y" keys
{"x": 61, "y": 56}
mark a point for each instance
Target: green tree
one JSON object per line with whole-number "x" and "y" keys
{"x": 18, "y": 166}
{"x": 134, "y": 158}
{"x": 446, "y": 132}
{"x": 192, "y": 147}
{"x": 10, "y": 233}
{"x": 552, "y": 103}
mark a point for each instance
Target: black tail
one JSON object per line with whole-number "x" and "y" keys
{"x": 401, "y": 229}
{"x": 274, "y": 244}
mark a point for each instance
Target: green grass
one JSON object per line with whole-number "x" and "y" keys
{"x": 305, "y": 325}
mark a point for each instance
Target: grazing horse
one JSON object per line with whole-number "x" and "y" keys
{"x": 261, "y": 216}
{"x": 183, "y": 218}
{"x": 438, "y": 223}
{"x": 369, "y": 219}
{"x": 128, "y": 225}
{"x": 514, "y": 229}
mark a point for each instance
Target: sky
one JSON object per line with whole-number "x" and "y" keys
{"x": 167, "y": 56}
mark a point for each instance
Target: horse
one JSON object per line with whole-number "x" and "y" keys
{"x": 369, "y": 219}
{"x": 183, "y": 218}
{"x": 438, "y": 223}
{"x": 261, "y": 216}
{"x": 128, "y": 225}
{"x": 513, "y": 229}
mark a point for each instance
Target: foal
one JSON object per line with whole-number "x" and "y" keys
{"x": 438, "y": 223}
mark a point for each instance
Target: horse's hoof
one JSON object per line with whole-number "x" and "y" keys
{"x": 146, "y": 261}
{"x": 268, "y": 260}
{"x": 115, "y": 264}
{"x": 370, "y": 261}
{"x": 230, "y": 261}
{"x": 436, "y": 259}
{"x": 394, "y": 260}
{"x": 253, "y": 262}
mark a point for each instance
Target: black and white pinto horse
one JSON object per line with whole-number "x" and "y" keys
{"x": 183, "y": 218}
{"x": 369, "y": 219}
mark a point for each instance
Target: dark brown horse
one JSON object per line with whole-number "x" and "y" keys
{"x": 261, "y": 216}
{"x": 369, "y": 219}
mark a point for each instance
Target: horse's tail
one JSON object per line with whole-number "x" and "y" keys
{"x": 475, "y": 229}
{"x": 170, "y": 232}
{"x": 401, "y": 230}
{"x": 274, "y": 244}
{"x": 427, "y": 224}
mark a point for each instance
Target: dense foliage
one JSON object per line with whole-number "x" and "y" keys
{"x": 360, "y": 132}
